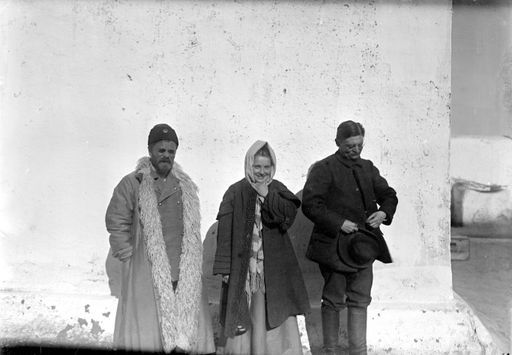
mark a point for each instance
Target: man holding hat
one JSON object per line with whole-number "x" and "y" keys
{"x": 347, "y": 200}
{"x": 154, "y": 223}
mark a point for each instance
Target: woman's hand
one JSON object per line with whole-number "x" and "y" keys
{"x": 225, "y": 278}
{"x": 261, "y": 188}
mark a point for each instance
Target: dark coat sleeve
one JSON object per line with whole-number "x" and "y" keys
{"x": 279, "y": 207}
{"x": 314, "y": 195}
{"x": 119, "y": 218}
{"x": 386, "y": 195}
{"x": 222, "y": 263}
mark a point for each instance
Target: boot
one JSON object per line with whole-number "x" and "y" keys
{"x": 357, "y": 330}
{"x": 330, "y": 329}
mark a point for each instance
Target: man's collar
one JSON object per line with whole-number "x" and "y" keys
{"x": 348, "y": 162}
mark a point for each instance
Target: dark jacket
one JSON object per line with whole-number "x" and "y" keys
{"x": 286, "y": 294}
{"x": 338, "y": 189}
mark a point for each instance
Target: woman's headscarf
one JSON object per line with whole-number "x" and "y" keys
{"x": 255, "y": 273}
{"x": 249, "y": 161}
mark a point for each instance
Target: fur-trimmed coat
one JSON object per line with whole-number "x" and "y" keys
{"x": 285, "y": 292}
{"x": 150, "y": 315}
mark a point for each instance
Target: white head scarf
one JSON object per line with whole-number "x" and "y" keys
{"x": 249, "y": 161}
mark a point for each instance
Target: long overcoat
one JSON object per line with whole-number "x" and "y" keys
{"x": 339, "y": 189}
{"x": 150, "y": 315}
{"x": 285, "y": 292}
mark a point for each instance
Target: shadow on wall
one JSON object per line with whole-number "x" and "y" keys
{"x": 299, "y": 234}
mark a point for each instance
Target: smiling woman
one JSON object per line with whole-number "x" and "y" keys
{"x": 262, "y": 166}
{"x": 262, "y": 289}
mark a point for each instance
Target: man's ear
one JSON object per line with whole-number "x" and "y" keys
{"x": 337, "y": 142}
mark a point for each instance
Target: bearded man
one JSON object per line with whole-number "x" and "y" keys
{"x": 154, "y": 223}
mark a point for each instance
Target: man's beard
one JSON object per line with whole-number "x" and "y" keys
{"x": 163, "y": 169}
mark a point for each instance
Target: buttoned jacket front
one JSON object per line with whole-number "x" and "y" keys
{"x": 339, "y": 189}
{"x": 170, "y": 207}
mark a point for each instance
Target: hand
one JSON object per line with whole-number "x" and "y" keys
{"x": 125, "y": 258}
{"x": 349, "y": 227}
{"x": 125, "y": 254}
{"x": 225, "y": 278}
{"x": 261, "y": 188}
{"x": 376, "y": 219}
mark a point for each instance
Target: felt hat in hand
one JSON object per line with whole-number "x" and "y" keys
{"x": 360, "y": 249}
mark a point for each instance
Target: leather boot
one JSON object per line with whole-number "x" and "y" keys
{"x": 357, "y": 330}
{"x": 330, "y": 330}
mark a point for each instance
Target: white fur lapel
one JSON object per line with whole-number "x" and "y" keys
{"x": 178, "y": 310}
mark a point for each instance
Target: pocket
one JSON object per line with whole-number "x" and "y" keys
{"x": 321, "y": 248}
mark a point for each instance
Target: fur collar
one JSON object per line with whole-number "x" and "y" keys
{"x": 178, "y": 311}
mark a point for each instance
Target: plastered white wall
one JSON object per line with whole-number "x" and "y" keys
{"x": 82, "y": 83}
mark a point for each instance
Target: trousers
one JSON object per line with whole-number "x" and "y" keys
{"x": 352, "y": 289}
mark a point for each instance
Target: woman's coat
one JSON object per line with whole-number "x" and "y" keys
{"x": 286, "y": 294}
